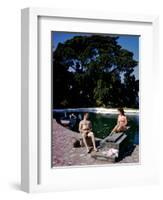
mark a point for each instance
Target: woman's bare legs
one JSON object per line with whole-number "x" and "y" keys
{"x": 121, "y": 129}
{"x": 115, "y": 129}
{"x": 118, "y": 128}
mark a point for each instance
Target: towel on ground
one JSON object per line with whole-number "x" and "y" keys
{"x": 112, "y": 153}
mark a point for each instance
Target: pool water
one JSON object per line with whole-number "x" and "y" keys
{"x": 102, "y": 124}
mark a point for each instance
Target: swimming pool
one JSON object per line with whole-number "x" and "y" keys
{"x": 103, "y": 123}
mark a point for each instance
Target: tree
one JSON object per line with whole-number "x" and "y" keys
{"x": 87, "y": 71}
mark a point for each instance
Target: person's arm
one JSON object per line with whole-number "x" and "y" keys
{"x": 90, "y": 126}
{"x": 80, "y": 127}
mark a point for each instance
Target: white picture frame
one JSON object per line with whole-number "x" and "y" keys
{"x": 36, "y": 171}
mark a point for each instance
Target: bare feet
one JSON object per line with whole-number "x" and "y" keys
{"x": 88, "y": 150}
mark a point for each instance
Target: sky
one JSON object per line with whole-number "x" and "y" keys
{"x": 129, "y": 42}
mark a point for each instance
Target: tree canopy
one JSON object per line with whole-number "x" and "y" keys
{"x": 93, "y": 71}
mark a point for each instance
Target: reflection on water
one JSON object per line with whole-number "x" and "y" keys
{"x": 104, "y": 123}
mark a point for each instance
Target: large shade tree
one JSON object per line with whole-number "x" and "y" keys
{"x": 94, "y": 71}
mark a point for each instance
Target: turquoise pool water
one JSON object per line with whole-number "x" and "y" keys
{"x": 103, "y": 124}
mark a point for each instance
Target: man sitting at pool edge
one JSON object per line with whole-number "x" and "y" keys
{"x": 85, "y": 128}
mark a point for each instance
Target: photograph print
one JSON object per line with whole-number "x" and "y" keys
{"x": 95, "y": 99}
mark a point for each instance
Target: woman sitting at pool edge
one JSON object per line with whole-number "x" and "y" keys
{"x": 121, "y": 122}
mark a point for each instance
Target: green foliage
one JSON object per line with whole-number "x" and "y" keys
{"x": 87, "y": 71}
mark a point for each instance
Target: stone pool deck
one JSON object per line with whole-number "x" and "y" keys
{"x": 64, "y": 154}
